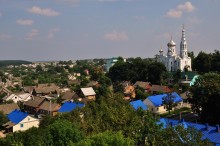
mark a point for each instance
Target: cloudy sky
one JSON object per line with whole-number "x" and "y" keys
{"x": 84, "y": 29}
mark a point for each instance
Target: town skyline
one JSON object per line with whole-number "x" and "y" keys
{"x": 85, "y": 29}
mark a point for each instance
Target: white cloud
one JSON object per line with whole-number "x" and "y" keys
{"x": 178, "y": 11}
{"x": 188, "y": 7}
{"x": 174, "y": 13}
{"x": 52, "y": 32}
{"x": 116, "y": 36}
{"x": 25, "y": 22}
{"x": 41, "y": 11}
{"x": 32, "y": 34}
{"x": 5, "y": 36}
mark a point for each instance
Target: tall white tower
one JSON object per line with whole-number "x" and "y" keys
{"x": 183, "y": 45}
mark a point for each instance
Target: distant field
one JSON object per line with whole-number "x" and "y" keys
{"x": 4, "y": 63}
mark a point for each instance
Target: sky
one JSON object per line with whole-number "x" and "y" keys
{"x": 44, "y": 30}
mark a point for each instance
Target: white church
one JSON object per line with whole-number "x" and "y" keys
{"x": 172, "y": 60}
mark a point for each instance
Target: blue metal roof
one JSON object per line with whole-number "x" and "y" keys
{"x": 138, "y": 104}
{"x": 211, "y": 133}
{"x": 17, "y": 116}
{"x": 69, "y": 106}
{"x": 157, "y": 100}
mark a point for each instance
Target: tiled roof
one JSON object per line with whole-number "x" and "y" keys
{"x": 141, "y": 84}
{"x": 69, "y": 106}
{"x": 211, "y": 133}
{"x": 159, "y": 88}
{"x": 68, "y": 95}
{"x": 8, "y": 108}
{"x": 157, "y": 100}
{"x": 17, "y": 116}
{"x": 47, "y": 106}
{"x": 35, "y": 102}
{"x": 138, "y": 104}
{"x": 47, "y": 88}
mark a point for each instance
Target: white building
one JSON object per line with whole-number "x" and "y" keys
{"x": 172, "y": 60}
{"x": 20, "y": 121}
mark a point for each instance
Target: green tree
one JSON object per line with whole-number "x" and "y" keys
{"x": 202, "y": 62}
{"x": 106, "y": 138}
{"x": 61, "y": 132}
{"x": 205, "y": 97}
{"x": 156, "y": 71}
{"x": 169, "y": 102}
{"x": 216, "y": 61}
{"x": 3, "y": 120}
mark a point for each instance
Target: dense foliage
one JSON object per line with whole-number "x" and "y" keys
{"x": 4, "y": 63}
{"x": 205, "y": 97}
{"x": 112, "y": 121}
{"x": 205, "y": 63}
{"x": 138, "y": 70}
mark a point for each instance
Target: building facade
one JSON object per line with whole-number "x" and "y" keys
{"x": 172, "y": 60}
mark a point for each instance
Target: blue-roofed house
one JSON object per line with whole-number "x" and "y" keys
{"x": 211, "y": 133}
{"x": 138, "y": 104}
{"x": 155, "y": 102}
{"x": 69, "y": 106}
{"x": 20, "y": 121}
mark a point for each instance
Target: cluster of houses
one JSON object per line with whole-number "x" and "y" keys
{"x": 25, "y": 110}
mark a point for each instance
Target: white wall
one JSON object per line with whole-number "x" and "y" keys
{"x": 28, "y": 122}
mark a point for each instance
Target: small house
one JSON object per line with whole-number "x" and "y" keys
{"x": 155, "y": 102}
{"x": 20, "y": 121}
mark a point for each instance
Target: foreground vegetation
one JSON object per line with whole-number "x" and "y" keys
{"x": 111, "y": 121}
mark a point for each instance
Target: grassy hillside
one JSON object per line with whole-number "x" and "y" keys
{"x": 4, "y": 63}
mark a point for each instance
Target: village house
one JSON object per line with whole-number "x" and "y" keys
{"x": 144, "y": 85}
{"x": 87, "y": 94}
{"x": 12, "y": 97}
{"x": 48, "y": 108}
{"x": 25, "y": 96}
{"x": 67, "y": 96}
{"x": 47, "y": 89}
{"x": 159, "y": 89}
{"x": 32, "y": 106}
{"x": 20, "y": 121}
{"x": 155, "y": 102}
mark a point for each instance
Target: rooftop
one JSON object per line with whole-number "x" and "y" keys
{"x": 212, "y": 133}
{"x": 69, "y": 106}
{"x": 17, "y": 116}
{"x": 157, "y": 100}
{"x": 138, "y": 104}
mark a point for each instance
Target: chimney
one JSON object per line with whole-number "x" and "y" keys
{"x": 217, "y": 128}
{"x": 206, "y": 126}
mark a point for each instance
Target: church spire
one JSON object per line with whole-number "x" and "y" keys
{"x": 183, "y": 44}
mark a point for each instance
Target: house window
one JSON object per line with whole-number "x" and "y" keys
{"x": 164, "y": 107}
{"x": 21, "y": 125}
{"x": 157, "y": 109}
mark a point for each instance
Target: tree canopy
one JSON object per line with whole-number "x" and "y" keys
{"x": 205, "y": 97}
